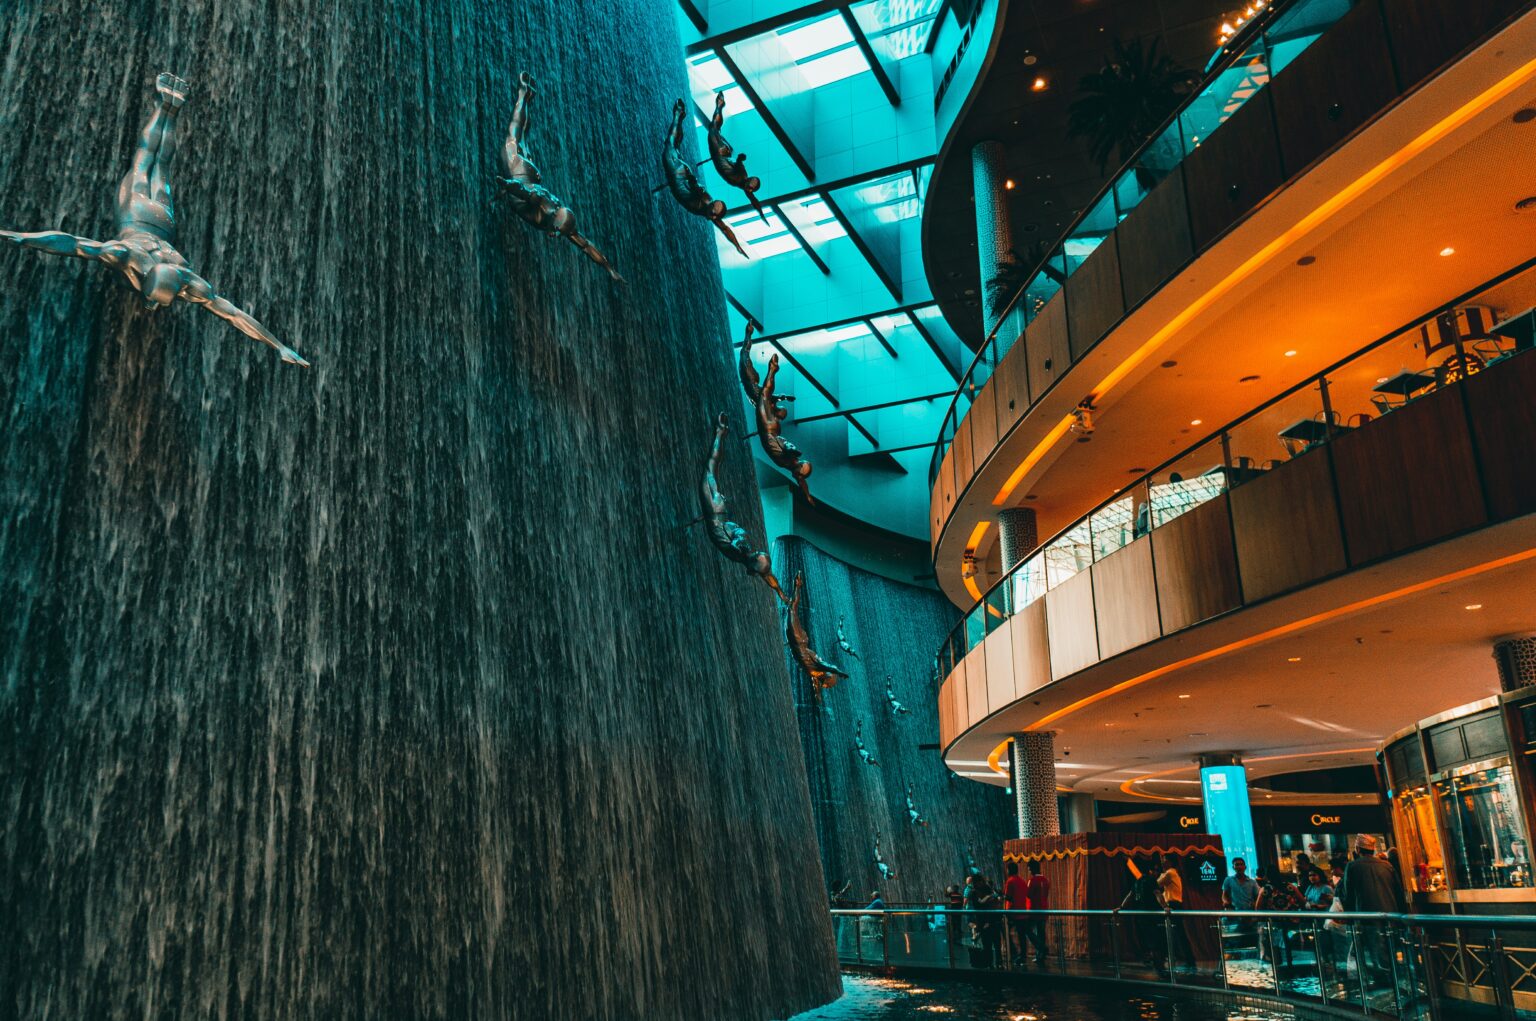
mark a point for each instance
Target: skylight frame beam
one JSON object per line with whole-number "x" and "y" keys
{"x": 892, "y": 93}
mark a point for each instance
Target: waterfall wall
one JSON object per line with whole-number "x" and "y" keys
{"x": 895, "y": 629}
{"x": 390, "y": 687}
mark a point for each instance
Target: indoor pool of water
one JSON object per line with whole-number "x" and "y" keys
{"x": 867, "y": 998}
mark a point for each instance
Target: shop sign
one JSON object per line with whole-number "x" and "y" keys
{"x": 1189, "y": 822}
{"x": 1207, "y": 872}
{"x": 1319, "y": 819}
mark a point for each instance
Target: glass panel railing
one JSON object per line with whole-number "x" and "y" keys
{"x": 1195, "y": 477}
{"x": 1232, "y": 80}
{"x": 1472, "y": 335}
{"x": 1069, "y": 554}
{"x": 1114, "y": 524}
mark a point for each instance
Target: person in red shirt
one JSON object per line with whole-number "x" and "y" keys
{"x": 1038, "y": 892}
{"x": 1016, "y": 898}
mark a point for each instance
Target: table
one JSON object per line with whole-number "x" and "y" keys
{"x": 1405, "y": 384}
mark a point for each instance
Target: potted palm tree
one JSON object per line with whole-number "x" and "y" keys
{"x": 1119, "y": 106}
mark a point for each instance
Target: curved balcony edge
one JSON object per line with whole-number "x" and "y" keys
{"x": 1344, "y": 524}
{"x": 1233, "y": 196}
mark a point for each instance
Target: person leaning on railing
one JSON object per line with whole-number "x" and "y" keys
{"x": 1170, "y": 893}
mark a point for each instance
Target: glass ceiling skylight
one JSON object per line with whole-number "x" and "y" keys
{"x": 892, "y": 198}
{"x": 761, "y": 240}
{"x": 897, "y": 29}
{"x": 814, "y": 219}
{"x": 824, "y": 49}
{"x": 707, "y": 75}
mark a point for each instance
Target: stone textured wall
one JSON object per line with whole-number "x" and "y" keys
{"x": 388, "y": 688}
{"x": 896, "y": 630}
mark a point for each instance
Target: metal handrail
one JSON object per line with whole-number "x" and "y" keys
{"x": 1229, "y": 54}
{"x": 1374, "y": 963}
{"x": 1305, "y": 384}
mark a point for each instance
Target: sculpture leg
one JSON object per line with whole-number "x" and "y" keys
{"x": 160, "y": 170}
{"x": 136, "y": 182}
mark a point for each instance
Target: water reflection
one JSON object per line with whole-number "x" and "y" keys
{"x": 869, "y": 998}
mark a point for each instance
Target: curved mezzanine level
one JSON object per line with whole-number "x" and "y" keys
{"x": 1359, "y": 149}
{"x": 1301, "y": 608}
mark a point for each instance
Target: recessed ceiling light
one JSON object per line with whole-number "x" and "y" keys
{"x": 1529, "y": 202}
{"x": 1008, "y": 184}
{"x": 1183, "y": 696}
{"x": 1306, "y": 260}
{"x": 1039, "y": 85}
{"x": 1381, "y": 379}
{"x": 1474, "y": 606}
{"x": 1169, "y": 364}
{"x": 1265, "y": 705}
{"x": 1195, "y": 421}
{"x": 1198, "y": 733}
{"x": 1447, "y": 250}
{"x": 1293, "y": 659}
{"x": 1290, "y": 354}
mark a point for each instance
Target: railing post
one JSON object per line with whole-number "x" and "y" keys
{"x": 1319, "y": 934}
{"x": 1498, "y": 962}
{"x": 1114, "y": 940}
{"x": 1007, "y": 938}
{"x": 949, "y": 938}
{"x": 1354, "y": 941}
{"x": 1059, "y": 943}
{"x": 1322, "y": 386}
{"x": 1274, "y": 956}
{"x": 858, "y": 938}
{"x": 1388, "y": 931}
{"x": 1426, "y": 954}
{"x": 1173, "y": 976}
{"x": 1221, "y": 954}
{"x": 885, "y": 939}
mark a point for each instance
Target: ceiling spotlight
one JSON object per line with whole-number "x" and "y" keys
{"x": 1473, "y": 606}
{"x": 1290, "y": 354}
{"x": 1195, "y": 421}
{"x": 1293, "y": 659}
{"x": 1039, "y": 85}
{"x": 1008, "y": 184}
{"x": 1447, "y": 250}
{"x": 1183, "y": 696}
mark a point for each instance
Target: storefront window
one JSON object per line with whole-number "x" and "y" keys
{"x": 1413, "y": 818}
{"x": 1487, "y": 846}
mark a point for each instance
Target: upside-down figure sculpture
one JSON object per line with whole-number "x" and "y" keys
{"x": 727, "y": 536}
{"x": 823, "y": 674}
{"x": 770, "y": 415}
{"x": 145, "y": 247}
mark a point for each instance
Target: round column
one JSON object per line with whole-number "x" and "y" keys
{"x": 1033, "y": 764}
{"x": 1017, "y": 535}
{"x": 1516, "y": 659}
{"x": 994, "y": 231}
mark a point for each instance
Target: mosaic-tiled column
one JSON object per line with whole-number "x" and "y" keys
{"x": 1033, "y": 761}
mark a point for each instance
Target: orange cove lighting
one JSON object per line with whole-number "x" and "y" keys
{"x": 1346, "y": 195}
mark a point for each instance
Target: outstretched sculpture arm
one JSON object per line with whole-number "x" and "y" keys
{"x": 55, "y": 242}
{"x": 592, "y": 253}
{"x": 199, "y": 292}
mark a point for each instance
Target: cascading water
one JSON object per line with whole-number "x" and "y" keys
{"x": 390, "y": 687}
{"x": 895, "y": 630}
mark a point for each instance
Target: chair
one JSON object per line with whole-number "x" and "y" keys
{"x": 1356, "y": 421}
{"x": 1384, "y": 404}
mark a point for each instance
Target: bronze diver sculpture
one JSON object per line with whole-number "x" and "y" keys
{"x": 145, "y": 247}
{"x": 727, "y": 536}
{"x": 865, "y": 755}
{"x": 769, "y": 415}
{"x": 734, "y": 172}
{"x": 524, "y": 188}
{"x": 823, "y": 674}
{"x": 684, "y": 182}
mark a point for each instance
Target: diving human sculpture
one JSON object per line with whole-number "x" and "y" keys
{"x": 914, "y": 816}
{"x": 823, "y": 674}
{"x": 727, "y": 536}
{"x": 865, "y": 755}
{"x": 842, "y": 641}
{"x": 881, "y": 865}
{"x": 145, "y": 247}
{"x": 897, "y": 709}
{"x": 684, "y": 182}
{"x": 524, "y": 188}
{"x": 770, "y": 415}
{"x": 734, "y": 172}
